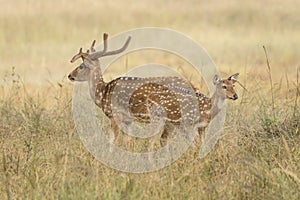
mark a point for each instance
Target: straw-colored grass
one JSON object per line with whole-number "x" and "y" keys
{"x": 258, "y": 155}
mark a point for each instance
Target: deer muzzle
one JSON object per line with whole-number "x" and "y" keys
{"x": 235, "y": 97}
{"x": 71, "y": 78}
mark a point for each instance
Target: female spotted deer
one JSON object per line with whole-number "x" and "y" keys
{"x": 210, "y": 107}
{"x": 173, "y": 94}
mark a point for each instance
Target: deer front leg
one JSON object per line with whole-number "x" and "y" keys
{"x": 167, "y": 133}
{"x": 154, "y": 139}
{"x": 114, "y": 133}
{"x": 201, "y": 130}
{"x": 201, "y": 134}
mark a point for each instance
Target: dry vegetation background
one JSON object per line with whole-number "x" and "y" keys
{"x": 258, "y": 156}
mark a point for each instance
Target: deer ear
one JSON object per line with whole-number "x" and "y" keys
{"x": 233, "y": 77}
{"x": 216, "y": 79}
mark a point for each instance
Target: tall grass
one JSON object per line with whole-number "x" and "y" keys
{"x": 42, "y": 156}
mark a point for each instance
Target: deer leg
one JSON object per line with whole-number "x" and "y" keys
{"x": 114, "y": 133}
{"x": 167, "y": 133}
{"x": 164, "y": 138}
{"x": 201, "y": 131}
{"x": 126, "y": 137}
{"x": 153, "y": 140}
{"x": 126, "y": 125}
{"x": 123, "y": 122}
{"x": 200, "y": 136}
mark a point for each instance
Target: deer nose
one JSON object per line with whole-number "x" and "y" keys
{"x": 70, "y": 77}
{"x": 235, "y": 97}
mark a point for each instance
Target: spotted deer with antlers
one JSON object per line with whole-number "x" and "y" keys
{"x": 173, "y": 94}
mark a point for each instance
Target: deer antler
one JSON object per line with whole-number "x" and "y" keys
{"x": 119, "y": 50}
{"x": 92, "y": 54}
{"x": 80, "y": 54}
{"x": 103, "y": 53}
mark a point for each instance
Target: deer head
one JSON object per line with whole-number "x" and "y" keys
{"x": 91, "y": 60}
{"x": 225, "y": 87}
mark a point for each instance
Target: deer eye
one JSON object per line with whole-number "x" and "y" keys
{"x": 224, "y": 87}
{"x": 81, "y": 66}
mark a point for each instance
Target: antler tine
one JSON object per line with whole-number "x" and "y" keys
{"x": 105, "y": 36}
{"x": 118, "y": 50}
{"x": 92, "y": 49}
{"x": 77, "y": 56}
{"x": 98, "y": 54}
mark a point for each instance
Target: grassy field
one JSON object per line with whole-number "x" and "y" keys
{"x": 258, "y": 156}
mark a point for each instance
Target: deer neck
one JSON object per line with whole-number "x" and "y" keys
{"x": 96, "y": 84}
{"x": 217, "y": 102}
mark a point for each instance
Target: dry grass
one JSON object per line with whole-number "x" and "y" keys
{"x": 258, "y": 155}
